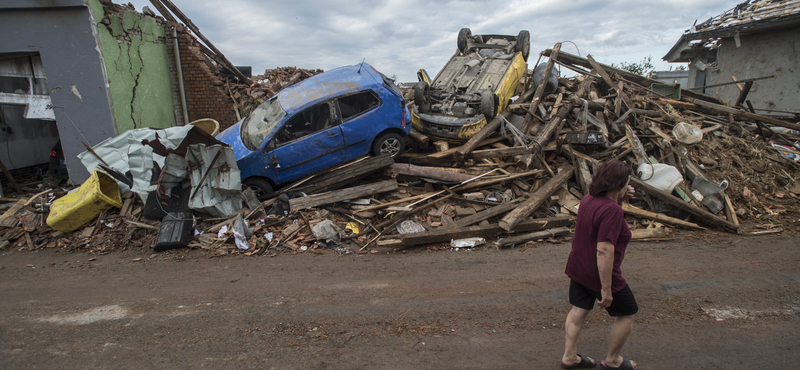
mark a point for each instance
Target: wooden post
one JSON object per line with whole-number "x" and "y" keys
{"x": 522, "y": 238}
{"x": 537, "y": 96}
{"x": 462, "y": 151}
{"x": 11, "y": 179}
{"x": 340, "y": 195}
{"x": 537, "y": 199}
{"x": 211, "y": 46}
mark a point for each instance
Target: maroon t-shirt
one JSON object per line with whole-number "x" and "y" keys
{"x": 599, "y": 219}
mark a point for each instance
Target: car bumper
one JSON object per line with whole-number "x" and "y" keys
{"x": 448, "y": 128}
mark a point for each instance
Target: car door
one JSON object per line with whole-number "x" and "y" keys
{"x": 308, "y": 142}
{"x": 360, "y": 121}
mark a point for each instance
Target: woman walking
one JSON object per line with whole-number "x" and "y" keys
{"x": 601, "y": 237}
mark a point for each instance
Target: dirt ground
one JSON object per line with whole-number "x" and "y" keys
{"x": 708, "y": 300}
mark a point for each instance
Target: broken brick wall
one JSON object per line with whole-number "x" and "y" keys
{"x": 206, "y": 95}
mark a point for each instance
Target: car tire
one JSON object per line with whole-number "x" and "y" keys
{"x": 421, "y": 90}
{"x": 488, "y": 104}
{"x": 389, "y": 142}
{"x": 261, "y": 187}
{"x": 463, "y": 38}
{"x": 523, "y": 44}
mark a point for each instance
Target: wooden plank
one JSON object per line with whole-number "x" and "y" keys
{"x": 486, "y": 231}
{"x": 702, "y": 215}
{"x": 484, "y": 183}
{"x": 421, "y": 139}
{"x": 340, "y": 176}
{"x": 730, "y": 212}
{"x": 537, "y": 96}
{"x": 607, "y": 78}
{"x": 344, "y": 194}
{"x": 431, "y": 173}
{"x": 538, "y": 198}
{"x": 14, "y": 209}
{"x": 485, "y": 214}
{"x": 11, "y": 178}
{"x": 208, "y": 43}
{"x": 462, "y": 151}
{"x": 522, "y": 238}
{"x": 500, "y": 152}
{"x": 741, "y": 115}
{"x": 641, "y": 213}
{"x": 584, "y": 176}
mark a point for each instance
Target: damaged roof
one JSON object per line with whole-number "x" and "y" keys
{"x": 745, "y": 18}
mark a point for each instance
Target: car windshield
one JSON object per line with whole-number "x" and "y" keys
{"x": 261, "y": 122}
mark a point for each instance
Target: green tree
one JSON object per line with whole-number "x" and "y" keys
{"x": 642, "y": 68}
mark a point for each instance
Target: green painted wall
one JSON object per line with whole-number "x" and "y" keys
{"x": 137, "y": 67}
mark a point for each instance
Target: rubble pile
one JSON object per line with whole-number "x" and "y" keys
{"x": 699, "y": 163}
{"x": 266, "y": 85}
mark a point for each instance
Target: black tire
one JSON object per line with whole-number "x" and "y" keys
{"x": 388, "y": 142}
{"x": 463, "y": 38}
{"x": 488, "y": 104}
{"x": 524, "y": 44}
{"x": 261, "y": 187}
{"x": 421, "y": 90}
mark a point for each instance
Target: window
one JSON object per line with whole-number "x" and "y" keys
{"x": 305, "y": 122}
{"x": 357, "y": 104}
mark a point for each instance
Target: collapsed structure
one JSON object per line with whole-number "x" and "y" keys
{"x": 701, "y": 164}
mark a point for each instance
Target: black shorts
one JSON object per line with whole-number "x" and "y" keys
{"x": 623, "y": 304}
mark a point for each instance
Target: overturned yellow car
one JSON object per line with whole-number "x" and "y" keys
{"x": 476, "y": 84}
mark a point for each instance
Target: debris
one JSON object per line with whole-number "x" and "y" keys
{"x": 327, "y": 231}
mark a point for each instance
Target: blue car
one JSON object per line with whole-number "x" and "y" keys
{"x": 325, "y": 120}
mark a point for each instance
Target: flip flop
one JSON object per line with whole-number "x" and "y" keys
{"x": 626, "y": 365}
{"x": 585, "y": 363}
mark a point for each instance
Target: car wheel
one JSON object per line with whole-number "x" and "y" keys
{"x": 524, "y": 44}
{"x": 488, "y": 104}
{"x": 463, "y": 37}
{"x": 261, "y": 187}
{"x": 421, "y": 97}
{"x": 390, "y": 143}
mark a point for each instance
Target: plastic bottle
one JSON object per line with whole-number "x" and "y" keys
{"x": 687, "y": 133}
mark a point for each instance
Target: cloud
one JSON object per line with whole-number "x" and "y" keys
{"x": 399, "y": 37}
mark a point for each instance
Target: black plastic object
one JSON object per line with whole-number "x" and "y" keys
{"x": 175, "y": 231}
{"x": 178, "y": 202}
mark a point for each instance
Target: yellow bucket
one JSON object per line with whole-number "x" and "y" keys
{"x": 97, "y": 194}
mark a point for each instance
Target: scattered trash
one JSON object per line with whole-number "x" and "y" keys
{"x": 327, "y": 231}
{"x": 467, "y": 242}
{"x": 409, "y": 227}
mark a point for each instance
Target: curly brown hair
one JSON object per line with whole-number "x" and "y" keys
{"x": 611, "y": 175}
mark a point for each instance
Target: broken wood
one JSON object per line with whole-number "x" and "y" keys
{"x": 461, "y": 153}
{"x": 11, "y": 179}
{"x": 641, "y": 213}
{"x": 538, "y": 198}
{"x": 485, "y": 231}
{"x": 340, "y": 195}
{"x": 431, "y": 173}
{"x": 523, "y": 238}
{"x": 421, "y": 139}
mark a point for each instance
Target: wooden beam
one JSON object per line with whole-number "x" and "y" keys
{"x": 522, "y": 238}
{"x": 420, "y": 138}
{"x": 340, "y": 195}
{"x": 486, "y": 231}
{"x": 500, "y": 152}
{"x": 641, "y": 213}
{"x": 607, "y": 78}
{"x": 742, "y": 115}
{"x": 538, "y": 198}
{"x": 208, "y": 43}
{"x": 462, "y": 151}
{"x": 11, "y": 178}
{"x": 340, "y": 176}
{"x": 537, "y": 96}
{"x": 485, "y": 214}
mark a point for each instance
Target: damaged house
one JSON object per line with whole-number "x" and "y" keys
{"x": 82, "y": 71}
{"x": 748, "y": 53}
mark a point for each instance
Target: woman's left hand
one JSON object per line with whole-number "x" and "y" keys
{"x": 629, "y": 192}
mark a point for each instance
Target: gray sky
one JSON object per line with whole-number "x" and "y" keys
{"x": 398, "y": 37}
